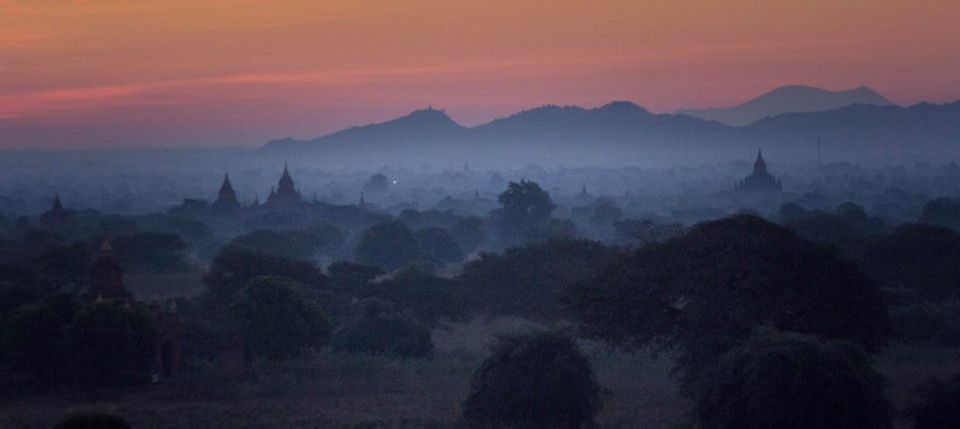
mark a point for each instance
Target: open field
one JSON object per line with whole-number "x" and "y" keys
{"x": 341, "y": 391}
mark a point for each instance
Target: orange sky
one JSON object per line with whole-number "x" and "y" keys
{"x": 178, "y": 72}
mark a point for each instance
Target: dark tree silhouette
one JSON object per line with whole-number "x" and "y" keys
{"x": 295, "y": 244}
{"x": 535, "y": 380}
{"x": 528, "y": 280}
{"x": 525, "y": 208}
{"x": 380, "y": 330}
{"x": 707, "y": 290}
{"x": 469, "y": 232}
{"x": 920, "y": 258}
{"x": 938, "y": 408}
{"x": 111, "y": 343}
{"x": 943, "y": 212}
{"x": 438, "y": 246}
{"x": 390, "y": 245}
{"x": 277, "y": 321}
{"x": 792, "y": 381}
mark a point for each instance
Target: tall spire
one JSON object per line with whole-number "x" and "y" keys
{"x": 57, "y": 205}
{"x": 286, "y": 194}
{"x": 760, "y": 166}
{"x": 226, "y": 197}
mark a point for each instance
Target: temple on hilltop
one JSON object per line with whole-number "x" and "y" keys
{"x": 106, "y": 286}
{"x": 760, "y": 180}
{"x": 226, "y": 198}
{"x": 285, "y": 195}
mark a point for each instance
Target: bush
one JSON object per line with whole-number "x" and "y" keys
{"x": 536, "y": 380}
{"x": 938, "y": 408}
{"x": 92, "y": 421}
{"x": 381, "y": 331}
{"x": 787, "y": 381}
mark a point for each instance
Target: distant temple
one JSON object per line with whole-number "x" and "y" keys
{"x": 285, "y": 194}
{"x": 226, "y": 198}
{"x": 57, "y": 215}
{"x": 106, "y": 282}
{"x": 106, "y": 285}
{"x": 760, "y": 180}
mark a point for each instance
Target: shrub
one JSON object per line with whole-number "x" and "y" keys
{"x": 92, "y": 421}
{"x": 792, "y": 381}
{"x": 938, "y": 408}
{"x": 536, "y": 380}
{"x": 381, "y": 331}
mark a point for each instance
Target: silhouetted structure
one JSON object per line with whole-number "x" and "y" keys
{"x": 107, "y": 285}
{"x": 760, "y": 180}
{"x": 106, "y": 282}
{"x": 285, "y": 194}
{"x": 227, "y": 197}
{"x": 57, "y": 215}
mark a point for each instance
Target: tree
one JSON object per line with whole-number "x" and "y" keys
{"x": 536, "y": 380}
{"x": 277, "y": 321}
{"x": 111, "y": 343}
{"x": 234, "y": 267}
{"x": 34, "y": 338}
{"x": 469, "y": 232}
{"x": 437, "y": 245}
{"x": 704, "y": 292}
{"x": 943, "y": 212}
{"x": 525, "y": 207}
{"x": 390, "y": 245}
{"x": 528, "y": 280}
{"x": 792, "y": 381}
{"x": 150, "y": 251}
{"x": 920, "y": 258}
{"x": 604, "y": 212}
{"x": 418, "y": 292}
{"x": 938, "y": 405}
{"x": 382, "y": 331}
{"x": 377, "y": 183}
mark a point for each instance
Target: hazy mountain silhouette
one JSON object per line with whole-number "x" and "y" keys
{"x": 622, "y": 133}
{"x": 421, "y": 126}
{"x": 788, "y": 99}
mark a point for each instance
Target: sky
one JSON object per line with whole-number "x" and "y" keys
{"x": 89, "y": 73}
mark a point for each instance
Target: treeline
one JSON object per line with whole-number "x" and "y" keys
{"x": 772, "y": 324}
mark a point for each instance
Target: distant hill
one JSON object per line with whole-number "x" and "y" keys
{"x": 788, "y": 99}
{"x": 623, "y": 133}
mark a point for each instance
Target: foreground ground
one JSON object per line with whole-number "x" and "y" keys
{"x": 341, "y": 391}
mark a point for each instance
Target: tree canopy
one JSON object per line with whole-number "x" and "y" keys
{"x": 703, "y": 292}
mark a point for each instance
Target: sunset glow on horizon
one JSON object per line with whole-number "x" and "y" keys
{"x": 240, "y": 72}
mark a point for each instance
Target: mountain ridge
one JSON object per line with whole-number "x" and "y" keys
{"x": 788, "y": 99}
{"x": 624, "y": 133}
